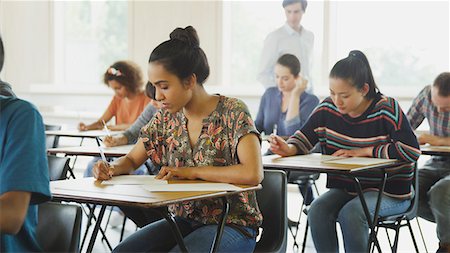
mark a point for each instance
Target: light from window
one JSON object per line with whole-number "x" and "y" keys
{"x": 89, "y": 36}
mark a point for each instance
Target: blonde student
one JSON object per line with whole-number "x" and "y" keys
{"x": 356, "y": 120}
{"x": 129, "y": 100}
{"x": 195, "y": 135}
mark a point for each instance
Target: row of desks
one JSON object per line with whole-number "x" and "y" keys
{"x": 89, "y": 191}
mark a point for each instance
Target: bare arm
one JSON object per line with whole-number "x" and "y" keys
{"x": 14, "y": 207}
{"x": 107, "y": 116}
{"x": 293, "y": 109}
{"x": 434, "y": 140}
{"x": 248, "y": 171}
{"x": 124, "y": 165}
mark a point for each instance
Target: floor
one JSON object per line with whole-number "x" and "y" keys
{"x": 294, "y": 198}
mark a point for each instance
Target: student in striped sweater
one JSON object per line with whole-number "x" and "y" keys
{"x": 356, "y": 120}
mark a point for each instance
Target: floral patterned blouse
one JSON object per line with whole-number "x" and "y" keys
{"x": 167, "y": 143}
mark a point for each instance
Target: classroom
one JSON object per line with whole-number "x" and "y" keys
{"x": 225, "y": 125}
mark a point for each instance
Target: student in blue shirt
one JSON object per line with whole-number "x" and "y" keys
{"x": 24, "y": 180}
{"x": 285, "y": 108}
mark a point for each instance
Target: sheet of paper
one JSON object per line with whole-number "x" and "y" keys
{"x": 439, "y": 148}
{"x": 207, "y": 187}
{"x": 363, "y": 161}
{"x": 134, "y": 180}
{"x": 308, "y": 157}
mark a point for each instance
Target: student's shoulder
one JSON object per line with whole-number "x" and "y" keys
{"x": 277, "y": 33}
{"x": 271, "y": 91}
{"x": 15, "y": 104}
{"x": 233, "y": 104}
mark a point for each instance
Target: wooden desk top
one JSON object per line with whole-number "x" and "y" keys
{"x": 89, "y": 190}
{"x": 435, "y": 150}
{"x": 76, "y": 133}
{"x": 315, "y": 163}
{"x": 117, "y": 151}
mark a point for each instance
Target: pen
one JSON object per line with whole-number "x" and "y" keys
{"x": 274, "y": 132}
{"x": 102, "y": 154}
{"x": 106, "y": 128}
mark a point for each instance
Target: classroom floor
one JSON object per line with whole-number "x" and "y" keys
{"x": 294, "y": 198}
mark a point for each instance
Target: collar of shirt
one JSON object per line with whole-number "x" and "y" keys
{"x": 291, "y": 31}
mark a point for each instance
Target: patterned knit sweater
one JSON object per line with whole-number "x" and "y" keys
{"x": 383, "y": 126}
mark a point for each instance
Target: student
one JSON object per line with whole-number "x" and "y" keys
{"x": 195, "y": 136}
{"x": 356, "y": 120}
{"x": 130, "y": 136}
{"x": 125, "y": 78}
{"x": 291, "y": 38}
{"x": 24, "y": 178}
{"x": 433, "y": 103}
{"x": 287, "y": 106}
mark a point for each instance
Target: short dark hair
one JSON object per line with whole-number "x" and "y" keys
{"x": 355, "y": 68}
{"x": 182, "y": 55}
{"x": 2, "y": 54}
{"x": 291, "y": 62}
{"x": 126, "y": 73}
{"x": 442, "y": 82}
{"x": 304, "y": 3}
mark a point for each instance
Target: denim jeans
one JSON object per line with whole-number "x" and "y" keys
{"x": 336, "y": 205}
{"x": 158, "y": 237}
{"x": 434, "y": 195}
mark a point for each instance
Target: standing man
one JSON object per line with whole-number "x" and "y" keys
{"x": 433, "y": 103}
{"x": 24, "y": 180}
{"x": 291, "y": 38}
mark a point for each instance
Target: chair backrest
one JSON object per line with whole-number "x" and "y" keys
{"x": 51, "y": 141}
{"x": 411, "y": 213}
{"x": 59, "y": 227}
{"x": 57, "y": 167}
{"x": 272, "y": 203}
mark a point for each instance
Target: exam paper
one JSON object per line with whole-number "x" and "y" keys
{"x": 207, "y": 187}
{"x": 134, "y": 180}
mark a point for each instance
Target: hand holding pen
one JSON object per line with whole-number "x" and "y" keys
{"x": 102, "y": 169}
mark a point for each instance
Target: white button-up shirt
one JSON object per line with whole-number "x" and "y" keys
{"x": 286, "y": 40}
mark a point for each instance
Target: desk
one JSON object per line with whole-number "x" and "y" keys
{"x": 88, "y": 190}
{"x": 80, "y": 134}
{"x": 435, "y": 150}
{"x": 315, "y": 164}
{"x": 117, "y": 151}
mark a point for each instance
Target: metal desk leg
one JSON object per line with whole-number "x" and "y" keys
{"x": 96, "y": 229}
{"x": 371, "y": 223}
{"x": 221, "y": 226}
{"x": 173, "y": 226}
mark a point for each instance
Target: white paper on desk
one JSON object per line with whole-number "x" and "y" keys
{"x": 363, "y": 161}
{"x": 439, "y": 148}
{"x": 134, "y": 180}
{"x": 308, "y": 157}
{"x": 197, "y": 187}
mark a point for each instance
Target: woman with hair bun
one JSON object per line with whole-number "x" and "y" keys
{"x": 195, "y": 135}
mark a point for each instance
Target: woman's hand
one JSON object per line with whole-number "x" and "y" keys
{"x": 103, "y": 171}
{"x": 430, "y": 139}
{"x": 112, "y": 141}
{"x": 300, "y": 85}
{"x": 280, "y": 147}
{"x": 360, "y": 152}
{"x": 167, "y": 173}
{"x": 82, "y": 126}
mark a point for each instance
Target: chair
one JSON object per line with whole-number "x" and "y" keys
{"x": 59, "y": 227}
{"x": 51, "y": 141}
{"x": 272, "y": 203}
{"x": 58, "y": 167}
{"x": 398, "y": 221}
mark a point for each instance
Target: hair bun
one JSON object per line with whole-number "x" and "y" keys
{"x": 187, "y": 35}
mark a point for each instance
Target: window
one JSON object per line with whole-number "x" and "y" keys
{"x": 407, "y": 43}
{"x": 89, "y": 36}
{"x": 245, "y": 26}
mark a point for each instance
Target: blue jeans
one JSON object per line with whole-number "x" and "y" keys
{"x": 158, "y": 237}
{"x": 338, "y": 205}
{"x": 434, "y": 195}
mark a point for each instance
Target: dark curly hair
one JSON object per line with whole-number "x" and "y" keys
{"x": 126, "y": 73}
